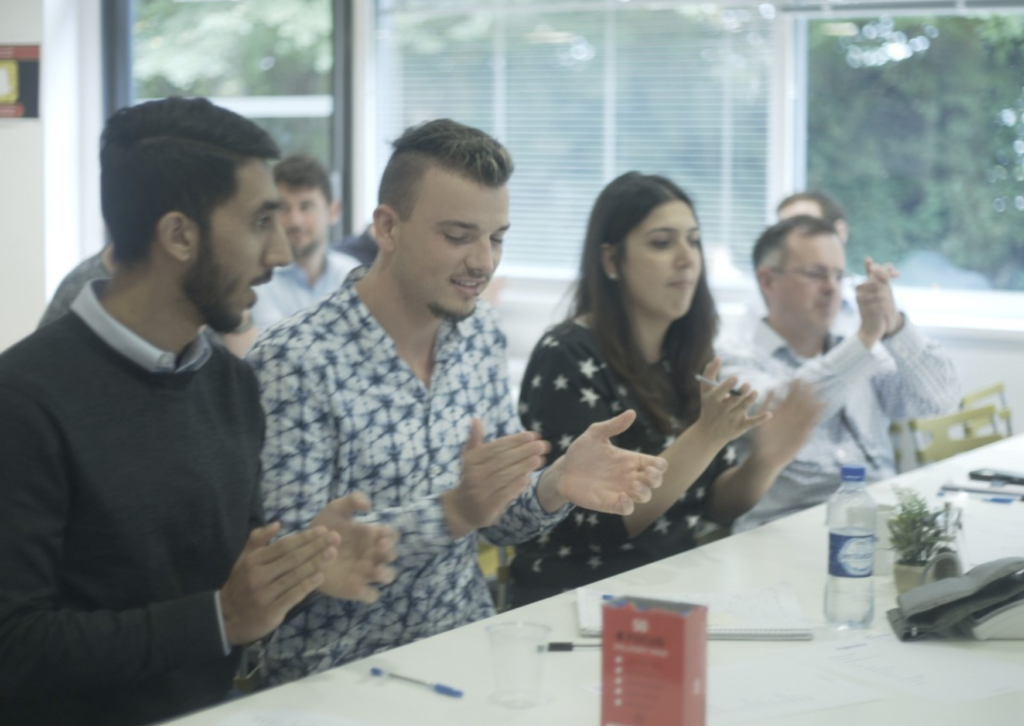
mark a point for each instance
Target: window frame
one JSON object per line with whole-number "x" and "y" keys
{"x": 788, "y": 153}
{"x": 963, "y": 317}
{"x": 356, "y": 146}
{"x": 117, "y": 21}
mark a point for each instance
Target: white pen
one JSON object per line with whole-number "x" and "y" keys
{"x": 705, "y": 379}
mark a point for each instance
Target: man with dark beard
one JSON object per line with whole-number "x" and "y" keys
{"x": 134, "y": 557}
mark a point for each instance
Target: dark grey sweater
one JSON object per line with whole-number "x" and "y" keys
{"x": 125, "y": 498}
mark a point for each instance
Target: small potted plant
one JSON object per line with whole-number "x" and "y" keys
{"x": 918, "y": 536}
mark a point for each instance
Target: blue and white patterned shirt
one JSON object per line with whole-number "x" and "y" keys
{"x": 345, "y": 413}
{"x": 905, "y": 376}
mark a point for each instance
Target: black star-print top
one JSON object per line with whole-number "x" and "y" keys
{"x": 566, "y": 388}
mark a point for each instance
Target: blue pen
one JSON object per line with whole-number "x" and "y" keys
{"x": 435, "y": 687}
{"x": 994, "y": 500}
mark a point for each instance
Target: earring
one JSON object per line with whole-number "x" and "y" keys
{"x": 613, "y": 276}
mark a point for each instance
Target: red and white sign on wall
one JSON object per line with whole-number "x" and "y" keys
{"x": 19, "y": 81}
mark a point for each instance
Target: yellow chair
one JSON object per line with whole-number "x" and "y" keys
{"x": 898, "y": 436}
{"x": 996, "y": 392}
{"x": 935, "y": 439}
{"x": 495, "y": 564}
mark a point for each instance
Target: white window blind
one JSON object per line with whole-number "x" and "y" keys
{"x": 582, "y": 92}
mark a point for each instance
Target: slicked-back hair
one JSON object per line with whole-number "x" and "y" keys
{"x": 688, "y": 345}
{"x": 831, "y": 210}
{"x": 454, "y": 147}
{"x": 175, "y": 154}
{"x": 770, "y": 248}
{"x": 302, "y": 171}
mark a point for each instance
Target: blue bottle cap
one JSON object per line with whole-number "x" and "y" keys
{"x": 852, "y": 473}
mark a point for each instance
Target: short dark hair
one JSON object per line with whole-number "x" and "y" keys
{"x": 689, "y": 342}
{"x": 302, "y": 171}
{"x": 176, "y": 154}
{"x": 831, "y": 210}
{"x": 772, "y": 241}
{"x": 454, "y": 147}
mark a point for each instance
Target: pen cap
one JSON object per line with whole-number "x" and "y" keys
{"x": 447, "y": 691}
{"x": 852, "y": 473}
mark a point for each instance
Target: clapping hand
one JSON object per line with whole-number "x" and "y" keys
{"x": 877, "y": 306}
{"x": 597, "y": 475}
{"x": 493, "y": 474}
{"x": 724, "y": 414}
{"x": 782, "y": 437}
{"x": 363, "y": 554}
{"x": 269, "y": 579}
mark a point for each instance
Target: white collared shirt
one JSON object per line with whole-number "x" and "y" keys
{"x": 128, "y": 343}
{"x": 905, "y": 376}
{"x": 290, "y": 291}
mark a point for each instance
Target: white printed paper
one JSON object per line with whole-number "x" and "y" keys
{"x": 768, "y": 613}
{"x": 761, "y": 690}
{"x": 766, "y": 607}
{"x": 286, "y": 718}
{"x": 932, "y": 670}
{"x": 991, "y": 531}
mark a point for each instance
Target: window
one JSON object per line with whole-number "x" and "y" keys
{"x": 582, "y": 92}
{"x": 268, "y": 60}
{"x": 917, "y": 124}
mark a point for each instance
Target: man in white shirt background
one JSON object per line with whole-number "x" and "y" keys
{"x": 824, "y": 206}
{"x": 737, "y": 332}
{"x": 886, "y": 371}
{"x": 308, "y": 211}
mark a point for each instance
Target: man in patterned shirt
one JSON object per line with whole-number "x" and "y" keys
{"x": 396, "y": 385}
{"x": 888, "y": 370}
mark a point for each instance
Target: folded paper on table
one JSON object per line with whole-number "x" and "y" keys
{"x": 984, "y": 487}
{"x": 287, "y": 717}
{"x": 990, "y": 533}
{"x": 770, "y": 613}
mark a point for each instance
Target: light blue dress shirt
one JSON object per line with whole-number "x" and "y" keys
{"x": 289, "y": 290}
{"x": 904, "y": 376}
{"x": 87, "y": 306}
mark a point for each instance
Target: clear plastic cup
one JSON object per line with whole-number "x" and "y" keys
{"x": 517, "y": 652}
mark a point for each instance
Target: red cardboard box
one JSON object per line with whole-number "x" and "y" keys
{"x": 654, "y": 663}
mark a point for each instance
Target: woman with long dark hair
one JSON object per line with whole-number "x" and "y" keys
{"x": 642, "y": 327}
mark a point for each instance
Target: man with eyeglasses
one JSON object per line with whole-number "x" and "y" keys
{"x": 886, "y": 370}
{"x": 823, "y": 206}
{"x": 736, "y": 332}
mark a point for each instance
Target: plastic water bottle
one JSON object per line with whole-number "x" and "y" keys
{"x": 849, "y": 593}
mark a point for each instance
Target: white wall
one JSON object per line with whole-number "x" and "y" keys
{"x": 22, "y": 273}
{"x": 72, "y": 123}
{"x": 49, "y": 173}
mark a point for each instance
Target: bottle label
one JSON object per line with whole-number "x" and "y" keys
{"x": 851, "y": 555}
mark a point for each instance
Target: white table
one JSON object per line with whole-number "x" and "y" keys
{"x": 791, "y": 550}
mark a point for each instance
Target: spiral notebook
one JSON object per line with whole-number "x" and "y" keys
{"x": 770, "y": 613}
